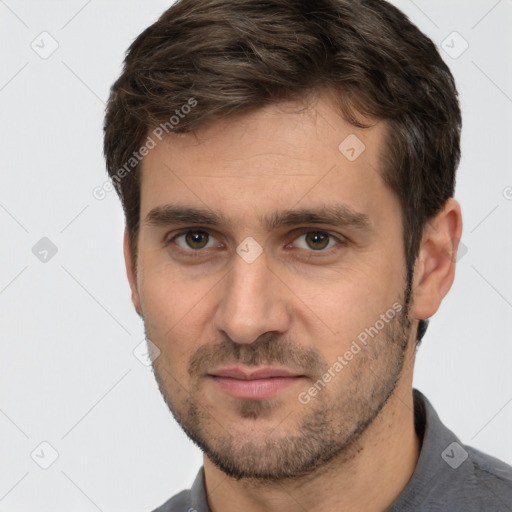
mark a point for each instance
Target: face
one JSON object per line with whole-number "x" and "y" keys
{"x": 271, "y": 276}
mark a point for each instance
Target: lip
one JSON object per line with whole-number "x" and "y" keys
{"x": 256, "y": 384}
{"x": 237, "y": 372}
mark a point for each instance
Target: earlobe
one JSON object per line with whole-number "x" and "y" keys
{"x": 434, "y": 270}
{"x": 131, "y": 272}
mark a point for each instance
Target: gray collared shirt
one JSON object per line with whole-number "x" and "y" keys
{"x": 449, "y": 476}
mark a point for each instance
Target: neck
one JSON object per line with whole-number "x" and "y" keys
{"x": 369, "y": 476}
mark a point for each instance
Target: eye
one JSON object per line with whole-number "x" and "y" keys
{"x": 316, "y": 241}
{"x": 195, "y": 240}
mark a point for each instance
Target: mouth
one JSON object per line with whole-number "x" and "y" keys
{"x": 256, "y": 384}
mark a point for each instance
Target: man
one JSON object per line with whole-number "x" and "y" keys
{"x": 287, "y": 172}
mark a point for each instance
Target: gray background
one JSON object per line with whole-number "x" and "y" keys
{"x": 69, "y": 376}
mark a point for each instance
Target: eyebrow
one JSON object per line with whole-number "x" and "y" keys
{"x": 174, "y": 214}
{"x": 335, "y": 215}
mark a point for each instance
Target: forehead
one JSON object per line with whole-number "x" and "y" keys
{"x": 280, "y": 157}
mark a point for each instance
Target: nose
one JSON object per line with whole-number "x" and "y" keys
{"x": 253, "y": 302}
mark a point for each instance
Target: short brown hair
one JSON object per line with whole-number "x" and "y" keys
{"x": 232, "y": 57}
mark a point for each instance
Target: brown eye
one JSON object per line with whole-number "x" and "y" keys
{"x": 197, "y": 239}
{"x": 317, "y": 240}
{"x": 193, "y": 243}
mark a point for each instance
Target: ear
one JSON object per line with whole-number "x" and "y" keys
{"x": 131, "y": 272}
{"x": 434, "y": 270}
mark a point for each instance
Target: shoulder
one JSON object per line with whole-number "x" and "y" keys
{"x": 474, "y": 482}
{"x": 492, "y": 478}
{"x": 178, "y": 503}
{"x": 451, "y": 476}
{"x": 189, "y": 500}
{"x": 482, "y": 482}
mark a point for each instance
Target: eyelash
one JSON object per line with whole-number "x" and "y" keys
{"x": 340, "y": 239}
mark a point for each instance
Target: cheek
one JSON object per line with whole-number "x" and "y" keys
{"x": 351, "y": 306}
{"x": 349, "y": 299}
{"x": 165, "y": 290}
{"x": 160, "y": 298}
{"x": 175, "y": 310}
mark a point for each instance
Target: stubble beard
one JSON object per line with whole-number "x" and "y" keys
{"x": 326, "y": 428}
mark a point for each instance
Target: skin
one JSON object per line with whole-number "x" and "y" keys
{"x": 352, "y": 446}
